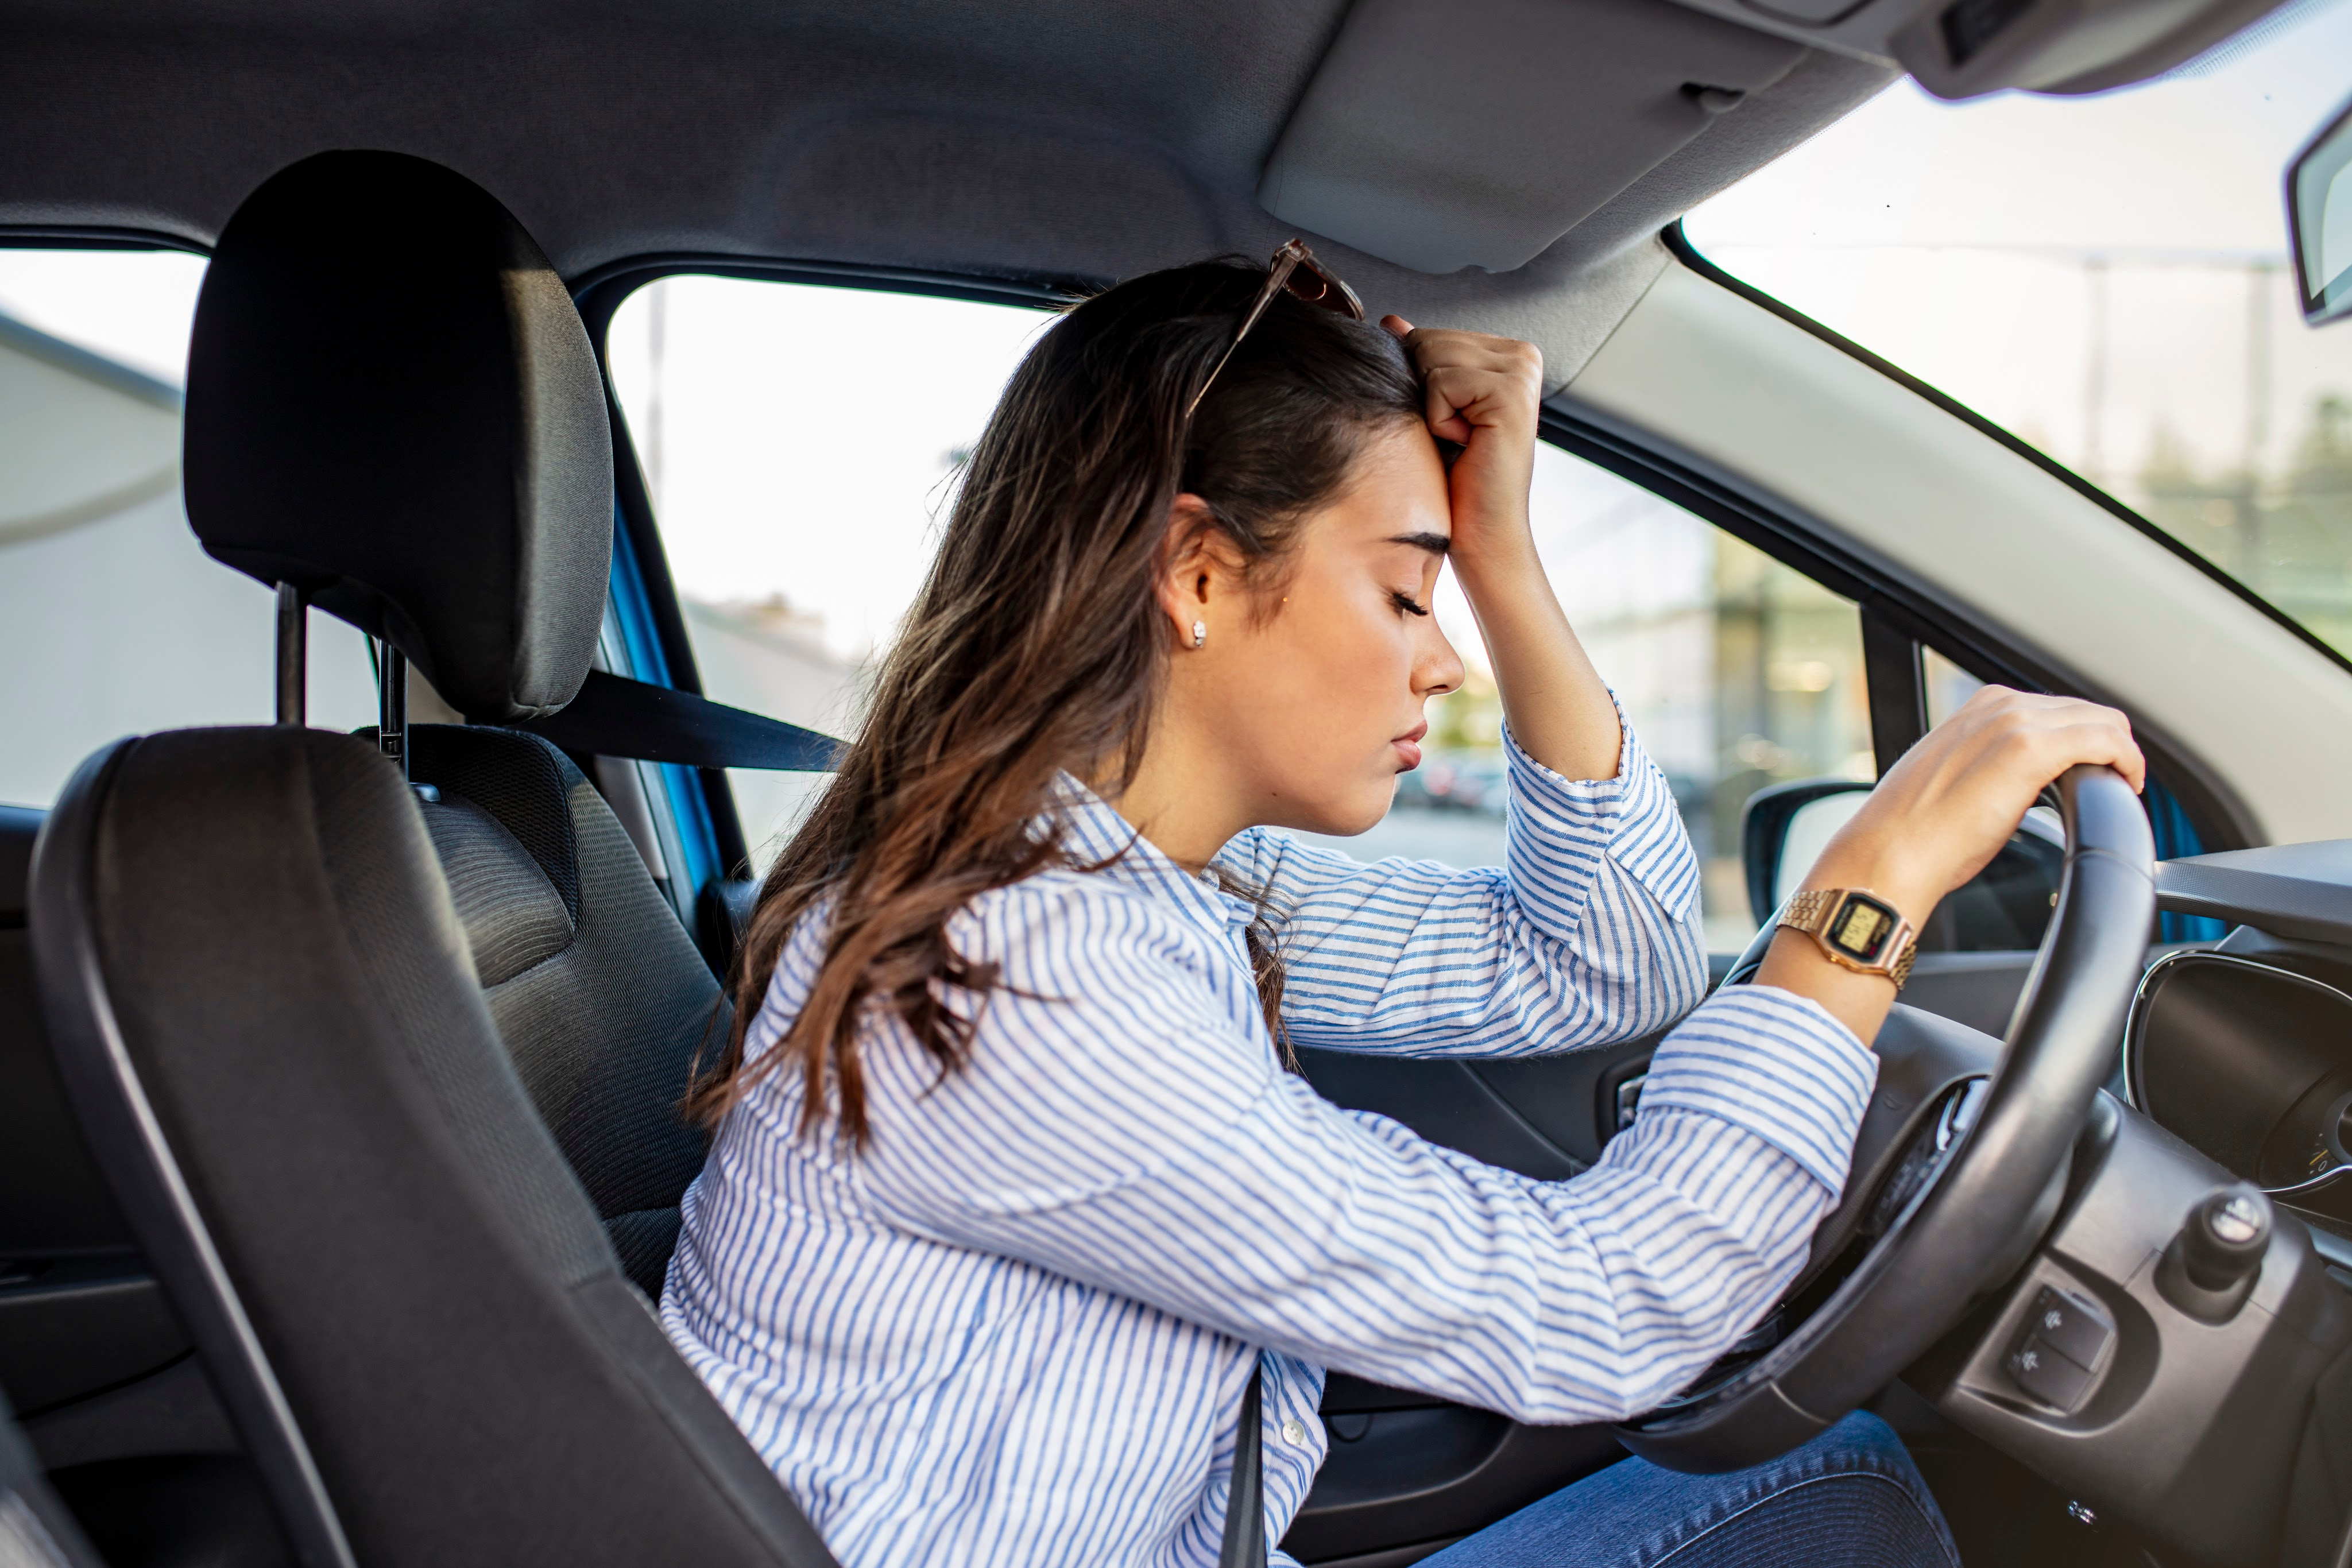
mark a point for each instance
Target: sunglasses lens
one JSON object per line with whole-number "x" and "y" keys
{"x": 1310, "y": 283}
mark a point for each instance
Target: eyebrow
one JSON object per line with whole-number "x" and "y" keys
{"x": 1435, "y": 544}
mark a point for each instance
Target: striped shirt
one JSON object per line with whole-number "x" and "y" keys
{"x": 1016, "y": 1329}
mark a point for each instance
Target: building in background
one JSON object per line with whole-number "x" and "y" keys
{"x": 113, "y": 621}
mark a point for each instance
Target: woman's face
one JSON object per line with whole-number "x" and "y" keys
{"x": 1307, "y": 695}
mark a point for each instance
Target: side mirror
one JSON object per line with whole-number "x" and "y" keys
{"x": 1784, "y": 829}
{"x": 2004, "y": 908}
{"x": 2319, "y": 221}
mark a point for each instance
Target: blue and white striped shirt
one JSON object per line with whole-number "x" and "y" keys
{"x": 1017, "y": 1328}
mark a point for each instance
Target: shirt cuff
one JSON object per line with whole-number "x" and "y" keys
{"x": 1776, "y": 1063}
{"x": 1564, "y": 826}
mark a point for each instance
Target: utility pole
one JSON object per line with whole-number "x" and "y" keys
{"x": 2094, "y": 380}
{"x": 657, "y": 347}
{"x": 2261, "y": 276}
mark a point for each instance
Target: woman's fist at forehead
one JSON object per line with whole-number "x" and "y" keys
{"x": 1481, "y": 393}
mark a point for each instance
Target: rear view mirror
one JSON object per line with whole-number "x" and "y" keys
{"x": 2319, "y": 221}
{"x": 2005, "y": 909}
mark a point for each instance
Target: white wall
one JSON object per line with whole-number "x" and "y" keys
{"x": 112, "y": 620}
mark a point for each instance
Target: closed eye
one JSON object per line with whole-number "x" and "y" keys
{"x": 1406, "y": 602}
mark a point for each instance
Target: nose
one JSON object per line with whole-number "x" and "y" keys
{"x": 1437, "y": 669}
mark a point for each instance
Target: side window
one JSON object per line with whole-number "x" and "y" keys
{"x": 798, "y": 514}
{"x": 113, "y": 621}
{"x": 1737, "y": 672}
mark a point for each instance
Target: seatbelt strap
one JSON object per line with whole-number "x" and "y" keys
{"x": 1245, "y": 1544}
{"x": 616, "y": 717}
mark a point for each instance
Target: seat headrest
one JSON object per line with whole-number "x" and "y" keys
{"x": 393, "y": 405}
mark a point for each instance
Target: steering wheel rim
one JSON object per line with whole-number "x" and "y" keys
{"x": 1986, "y": 1179}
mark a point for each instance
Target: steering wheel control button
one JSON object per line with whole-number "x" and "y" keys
{"x": 2211, "y": 1266}
{"x": 2071, "y": 1326}
{"x": 2048, "y": 1377}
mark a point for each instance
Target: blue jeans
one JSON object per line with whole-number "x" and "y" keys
{"x": 1850, "y": 1497}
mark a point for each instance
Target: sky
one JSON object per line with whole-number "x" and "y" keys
{"x": 806, "y": 438}
{"x": 132, "y": 306}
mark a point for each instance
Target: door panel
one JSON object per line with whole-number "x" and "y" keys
{"x": 1403, "y": 1468}
{"x": 1431, "y": 1474}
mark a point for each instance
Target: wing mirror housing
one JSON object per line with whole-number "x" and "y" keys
{"x": 1784, "y": 829}
{"x": 2319, "y": 221}
{"x": 2005, "y": 907}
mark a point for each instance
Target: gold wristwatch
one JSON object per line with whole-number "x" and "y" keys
{"x": 1856, "y": 928}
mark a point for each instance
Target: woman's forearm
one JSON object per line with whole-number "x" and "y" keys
{"x": 1558, "y": 706}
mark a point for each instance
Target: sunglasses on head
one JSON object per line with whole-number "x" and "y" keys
{"x": 1294, "y": 268}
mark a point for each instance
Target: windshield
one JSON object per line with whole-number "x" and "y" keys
{"x": 2105, "y": 277}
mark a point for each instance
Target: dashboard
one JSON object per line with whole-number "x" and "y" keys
{"x": 2245, "y": 1051}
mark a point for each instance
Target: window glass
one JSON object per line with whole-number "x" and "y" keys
{"x": 800, "y": 511}
{"x": 1737, "y": 672}
{"x": 1949, "y": 685}
{"x": 2107, "y": 277}
{"x": 113, "y": 621}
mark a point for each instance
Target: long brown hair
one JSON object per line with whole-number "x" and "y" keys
{"x": 1037, "y": 643}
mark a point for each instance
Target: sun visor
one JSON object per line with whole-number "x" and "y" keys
{"x": 1439, "y": 134}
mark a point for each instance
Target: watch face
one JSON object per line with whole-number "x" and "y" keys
{"x": 1860, "y": 927}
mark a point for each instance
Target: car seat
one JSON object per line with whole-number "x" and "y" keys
{"x": 386, "y": 1084}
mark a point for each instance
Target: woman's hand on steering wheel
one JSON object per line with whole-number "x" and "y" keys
{"x": 1939, "y": 818}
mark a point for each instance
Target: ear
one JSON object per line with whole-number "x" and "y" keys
{"x": 1200, "y": 569}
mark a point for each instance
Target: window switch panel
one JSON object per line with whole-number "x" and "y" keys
{"x": 2047, "y": 1376}
{"x": 2071, "y": 1326}
{"x": 2060, "y": 1348}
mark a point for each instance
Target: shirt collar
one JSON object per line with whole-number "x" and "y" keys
{"x": 1094, "y": 833}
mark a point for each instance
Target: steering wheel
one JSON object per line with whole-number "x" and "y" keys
{"x": 1958, "y": 1170}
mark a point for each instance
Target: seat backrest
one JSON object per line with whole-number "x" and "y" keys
{"x": 600, "y": 996}
{"x": 268, "y": 1015}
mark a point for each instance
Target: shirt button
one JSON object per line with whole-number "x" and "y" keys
{"x": 1294, "y": 1433}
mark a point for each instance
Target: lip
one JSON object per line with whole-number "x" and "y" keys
{"x": 1408, "y": 745}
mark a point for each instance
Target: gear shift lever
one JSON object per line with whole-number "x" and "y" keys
{"x": 2211, "y": 1266}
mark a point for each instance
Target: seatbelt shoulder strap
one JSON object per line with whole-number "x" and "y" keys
{"x": 616, "y": 717}
{"x": 1244, "y": 1545}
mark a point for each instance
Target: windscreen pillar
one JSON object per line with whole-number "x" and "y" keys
{"x": 1896, "y": 676}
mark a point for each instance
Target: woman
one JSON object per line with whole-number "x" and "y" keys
{"x": 1013, "y": 1200}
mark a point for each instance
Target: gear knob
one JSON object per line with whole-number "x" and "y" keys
{"x": 2210, "y": 1266}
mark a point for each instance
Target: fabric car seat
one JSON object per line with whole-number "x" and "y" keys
{"x": 600, "y": 998}
{"x": 385, "y": 1085}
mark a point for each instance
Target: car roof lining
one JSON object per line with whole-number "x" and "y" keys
{"x": 1033, "y": 140}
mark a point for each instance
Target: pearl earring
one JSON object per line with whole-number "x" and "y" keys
{"x": 1200, "y": 633}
